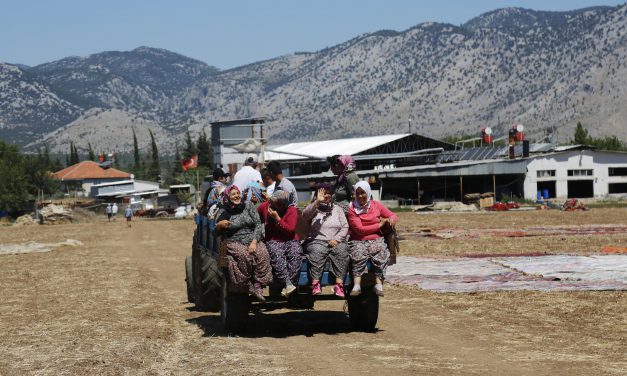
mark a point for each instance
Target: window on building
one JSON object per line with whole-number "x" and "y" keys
{"x": 545, "y": 173}
{"x": 579, "y": 172}
{"x": 617, "y": 188}
{"x": 617, "y": 171}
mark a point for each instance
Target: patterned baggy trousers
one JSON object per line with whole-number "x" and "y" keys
{"x": 285, "y": 258}
{"x": 374, "y": 250}
{"x": 318, "y": 252}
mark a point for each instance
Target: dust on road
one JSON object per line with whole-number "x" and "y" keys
{"x": 117, "y": 306}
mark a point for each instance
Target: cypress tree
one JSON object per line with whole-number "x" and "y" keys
{"x": 205, "y": 156}
{"x": 92, "y": 155}
{"x": 136, "y": 159}
{"x": 155, "y": 169}
{"x": 190, "y": 146}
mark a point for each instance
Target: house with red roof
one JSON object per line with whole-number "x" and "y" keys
{"x": 83, "y": 175}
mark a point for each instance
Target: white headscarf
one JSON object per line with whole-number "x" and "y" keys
{"x": 366, "y": 188}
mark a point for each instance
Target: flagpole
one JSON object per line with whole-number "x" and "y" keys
{"x": 197, "y": 185}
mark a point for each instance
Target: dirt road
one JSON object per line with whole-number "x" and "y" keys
{"x": 117, "y": 306}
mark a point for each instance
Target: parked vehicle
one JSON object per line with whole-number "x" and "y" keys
{"x": 208, "y": 287}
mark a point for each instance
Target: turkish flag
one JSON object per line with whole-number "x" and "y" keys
{"x": 191, "y": 162}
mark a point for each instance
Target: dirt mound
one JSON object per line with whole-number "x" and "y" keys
{"x": 25, "y": 220}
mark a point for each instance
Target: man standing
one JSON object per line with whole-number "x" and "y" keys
{"x": 128, "y": 214}
{"x": 248, "y": 173}
{"x": 281, "y": 183}
{"x": 114, "y": 211}
{"x": 108, "y": 211}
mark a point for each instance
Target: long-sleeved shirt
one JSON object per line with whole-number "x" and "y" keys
{"x": 326, "y": 226}
{"x": 344, "y": 190}
{"x": 245, "y": 226}
{"x": 283, "y": 230}
{"x": 365, "y": 226}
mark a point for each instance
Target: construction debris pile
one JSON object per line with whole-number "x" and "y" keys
{"x": 55, "y": 214}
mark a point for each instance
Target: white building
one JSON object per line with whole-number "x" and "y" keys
{"x": 577, "y": 174}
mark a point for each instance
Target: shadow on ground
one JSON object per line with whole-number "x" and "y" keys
{"x": 270, "y": 323}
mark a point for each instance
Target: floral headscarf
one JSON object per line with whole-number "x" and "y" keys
{"x": 255, "y": 189}
{"x": 228, "y": 205}
{"x": 348, "y": 162}
{"x": 366, "y": 188}
{"x": 348, "y": 166}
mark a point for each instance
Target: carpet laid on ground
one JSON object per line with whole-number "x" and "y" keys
{"x": 542, "y": 273}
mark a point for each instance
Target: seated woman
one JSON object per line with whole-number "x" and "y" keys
{"x": 366, "y": 218}
{"x": 247, "y": 257}
{"x": 280, "y": 218}
{"x": 326, "y": 239}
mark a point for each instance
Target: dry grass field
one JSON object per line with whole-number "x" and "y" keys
{"x": 117, "y": 305}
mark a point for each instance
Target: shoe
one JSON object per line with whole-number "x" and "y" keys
{"x": 338, "y": 290}
{"x": 378, "y": 289}
{"x": 356, "y": 290}
{"x": 257, "y": 293}
{"x": 288, "y": 290}
{"x": 315, "y": 288}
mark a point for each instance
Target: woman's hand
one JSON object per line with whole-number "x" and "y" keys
{"x": 333, "y": 243}
{"x": 252, "y": 248}
{"x": 382, "y": 222}
{"x": 274, "y": 214}
{"x": 392, "y": 222}
{"x": 223, "y": 224}
{"x": 320, "y": 197}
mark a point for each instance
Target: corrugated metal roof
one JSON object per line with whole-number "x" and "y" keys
{"x": 322, "y": 149}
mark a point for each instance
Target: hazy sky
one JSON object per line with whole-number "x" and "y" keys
{"x": 223, "y": 33}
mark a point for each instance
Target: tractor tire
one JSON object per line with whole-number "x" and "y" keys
{"x": 363, "y": 310}
{"x": 207, "y": 275}
{"x": 189, "y": 279}
{"x": 234, "y": 309}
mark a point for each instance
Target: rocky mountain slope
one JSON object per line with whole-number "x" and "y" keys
{"x": 541, "y": 69}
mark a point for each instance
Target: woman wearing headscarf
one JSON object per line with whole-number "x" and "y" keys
{"x": 280, "y": 218}
{"x": 366, "y": 218}
{"x": 344, "y": 167}
{"x": 247, "y": 258}
{"x": 254, "y": 193}
{"x": 326, "y": 239}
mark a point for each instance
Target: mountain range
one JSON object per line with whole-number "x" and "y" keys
{"x": 540, "y": 69}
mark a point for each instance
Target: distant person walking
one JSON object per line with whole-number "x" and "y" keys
{"x": 108, "y": 210}
{"x": 114, "y": 211}
{"x": 128, "y": 214}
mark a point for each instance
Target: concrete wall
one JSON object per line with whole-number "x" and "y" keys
{"x": 598, "y": 162}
